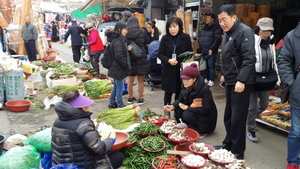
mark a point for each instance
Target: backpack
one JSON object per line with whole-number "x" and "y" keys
{"x": 107, "y": 58}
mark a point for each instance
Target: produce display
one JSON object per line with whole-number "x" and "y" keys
{"x": 178, "y": 135}
{"x": 222, "y": 155}
{"x": 120, "y": 118}
{"x": 237, "y": 164}
{"x": 149, "y": 113}
{"x": 59, "y": 90}
{"x": 138, "y": 158}
{"x": 132, "y": 137}
{"x": 165, "y": 162}
{"x": 96, "y": 88}
{"x": 154, "y": 119}
{"x": 193, "y": 160}
{"x": 64, "y": 70}
{"x": 93, "y": 73}
{"x": 200, "y": 147}
{"x": 146, "y": 128}
{"x": 38, "y": 62}
{"x": 168, "y": 126}
{"x": 51, "y": 64}
{"x": 152, "y": 144}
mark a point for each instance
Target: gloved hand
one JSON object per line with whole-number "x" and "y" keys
{"x": 113, "y": 140}
{"x": 84, "y": 44}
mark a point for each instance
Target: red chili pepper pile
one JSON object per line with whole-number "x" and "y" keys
{"x": 166, "y": 162}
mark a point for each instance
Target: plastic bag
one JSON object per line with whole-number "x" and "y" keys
{"x": 86, "y": 56}
{"x": 20, "y": 158}
{"x": 66, "y": 166}
{"x": 41, "y": 141}
{"x": 35, "y": 77}
{"x": 46, "y": 160}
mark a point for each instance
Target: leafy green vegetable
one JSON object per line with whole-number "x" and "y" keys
{"x": 59, "y": 90}
{"x": 96, "y": 88}
{"x": 150, "y": 113}
{"x": 37, "y": 62}
{"x": 120, "y": 118}
{"x": 64, "y": 70}
{"x": 51, "y": 64}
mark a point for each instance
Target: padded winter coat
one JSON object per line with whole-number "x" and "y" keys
{"x": 120, "y": 68}
{"x": 238, "y": 55}
{"x": 75, "y": 139}
{"x": 76, "y": 39}
{"x": 211, "y": 37}
{"x": 207, "y": 114}
{"x": 139, "y": 66}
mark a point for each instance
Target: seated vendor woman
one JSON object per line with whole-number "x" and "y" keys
{"x": 195, "y": 104}
{"x": 75, "y": 139}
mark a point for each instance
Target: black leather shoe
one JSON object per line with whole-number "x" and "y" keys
{"x": 239, "y": 156}
{"x": 223, "y": 146}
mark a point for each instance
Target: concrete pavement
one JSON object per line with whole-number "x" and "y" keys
{"x": 268, "y": 153}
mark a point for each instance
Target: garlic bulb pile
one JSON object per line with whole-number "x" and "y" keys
{"x": 222, "y": 155}
{"x": 200, "y": 147}
{"x": 193, "y": 160}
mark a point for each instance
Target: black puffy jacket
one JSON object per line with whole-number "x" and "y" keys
{"x": 139, "y": 66}
{"x": 238, "y": 55}
{"x": 75, "y": 139}
{"x": 211, "y": 38}
{"x": 120, "y": 68}
{"x": 207, "y": 114}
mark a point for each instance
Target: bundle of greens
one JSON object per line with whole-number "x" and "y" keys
{"x": 146, "y": 127}
{"x": 59, "y": 90}
{"x": 120, "y": 118}
{"x": 150, "y": 113}
{"x": 96, "y": 88}
{"x": 64, "y": 70}
{"x": 138, "y": 158}
{"x": 51, "y": 64}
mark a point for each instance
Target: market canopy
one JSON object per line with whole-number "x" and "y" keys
{"x": 81, "y": 16}
{"x": 52, "y": 7}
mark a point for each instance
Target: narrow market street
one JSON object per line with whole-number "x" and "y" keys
{"x": 269, "y": 153}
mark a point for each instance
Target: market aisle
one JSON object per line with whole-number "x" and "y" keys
{"x": 268, "y": 153}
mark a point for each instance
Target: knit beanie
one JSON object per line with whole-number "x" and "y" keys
{"x": 190, "y": 72}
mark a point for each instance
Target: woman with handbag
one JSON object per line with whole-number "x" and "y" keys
{"x": 266, "y": 68}
{"x": 136, "y": 40}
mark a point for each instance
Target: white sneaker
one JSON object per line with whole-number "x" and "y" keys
{"x": 210, "y": 83}
{"x": 205, "y": 81}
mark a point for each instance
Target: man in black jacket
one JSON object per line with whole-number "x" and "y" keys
{"x": 211, "y": 37}
{"x": 238, "y": 73}
{"x": 76, "y": 40}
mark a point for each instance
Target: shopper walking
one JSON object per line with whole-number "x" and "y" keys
{"x": 95, "y": 44}
{"x": 288, "y": 66}
{"x": 121, "y": 65}
{"x": 211, "y": 37}
{"x": 29, "y": 35}
{"x": 55, "y": 28}
{"x": 238, "y": 73}
{"x": 139, "y": 65}
{"x": 174, "y": 43}
{"x": 76, "y": 40}
{"x": 265, "y": 62}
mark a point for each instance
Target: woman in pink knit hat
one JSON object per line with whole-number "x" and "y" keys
{"x": 195, "y": 104}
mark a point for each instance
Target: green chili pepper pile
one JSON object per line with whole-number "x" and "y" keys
{"x": 138, "y": 158}
{"x": 152, "y": 143}
{"x": 146, "y": 127}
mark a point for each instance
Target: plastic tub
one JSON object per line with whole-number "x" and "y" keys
{"x": 18, "y": 105}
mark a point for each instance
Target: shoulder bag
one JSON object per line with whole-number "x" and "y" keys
{"x": 265, "y": 81}
{"x": 136, "y": 51}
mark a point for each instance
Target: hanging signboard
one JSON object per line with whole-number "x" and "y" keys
{"x": 189, "y": 3}
{"x": 208, "y": 3}
{"x": 203, "y": 12}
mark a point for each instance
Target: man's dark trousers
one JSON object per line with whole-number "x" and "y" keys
{"x": 30, "y": 49}
{"x": 235, "y": 116}
{"x": 76, "y": 52}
